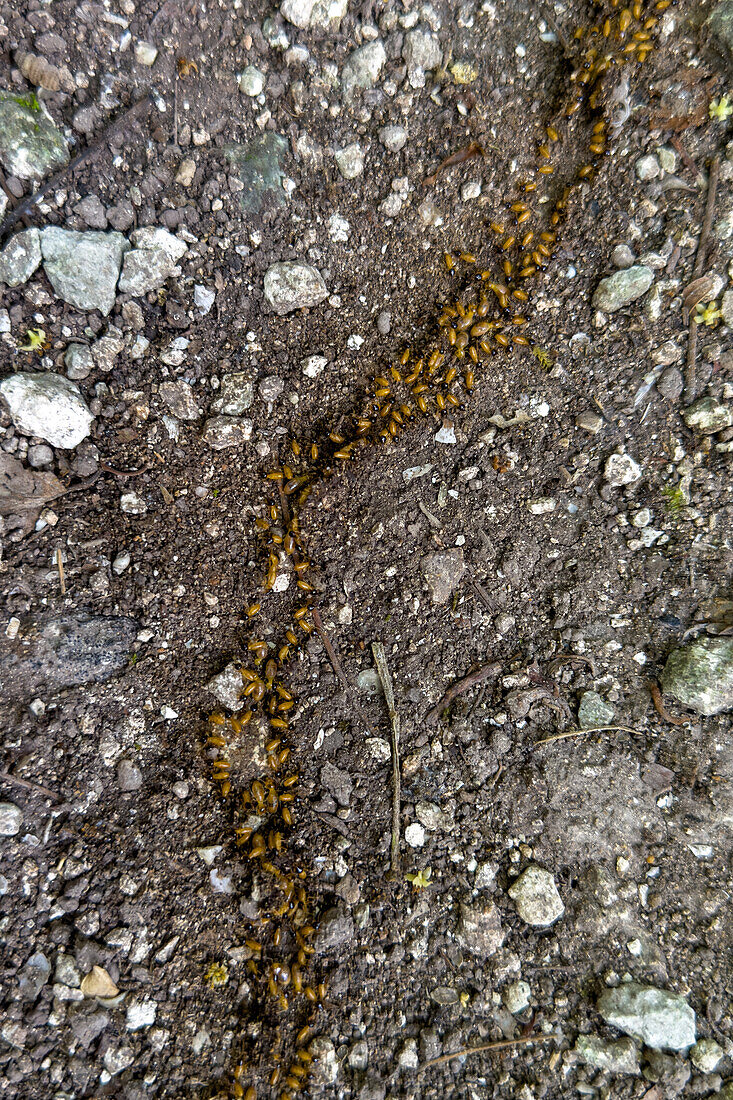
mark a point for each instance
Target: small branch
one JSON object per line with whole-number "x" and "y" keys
{"x": 380, "y": 658}
{"x": 336, "y": 664}
{"x": 124, "y": 473}
{"x": 659, "y": 707}
{"x": 502, "y": 1044}
{"x": 581, "y": 733}
{"x": 28, "y": 785}
{"x": 707, "y": 221}
{"x": 60, "y": 566}
{"x": 473, "y": 678}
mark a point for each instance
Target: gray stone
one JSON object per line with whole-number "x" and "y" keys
{"x": 227, "y": 687}
{"x": 145, "y": 53}
{"x": 443, "y": 571}
{"x": 297, "y": 12}
{"x": 83, "y": 268}
{"x": 622, "y": 256}
{"x": 78, "y": 361}
{"x": 107, "y": 348}
{"x": 621, "y": 469}
{"x": 384, "y": 322}
{"x": 271, "y": 388}
{"x": 30, "y": 144}
{"x": 92, "y": 211}
{"x": 720, "y": 23}
{"x": 422, "y": 50}
{"x": 707, "y": 415}
{"x": 251, "y": 81}
{"x": 393, "y": 138}
{"x": 619, "y": 1057}
{"x": 224, "y": 432}
{"x": 259, "y": 165}
{"x": 39, "y": 455}
{"x": 335, "y": 929}
{"x": 479, "y": 928}
{"x": 48, "y": 406}
{"x": 589, "y": 421}
{"x": 706, "y": 1055}
{"x": 536, "y": 897}
{"x": 444, "y": 995}
{"x": 350, "y": 161}
{"x": 20, "y": 257}
{"x": 700, "y": 675}
{"x": 358, "y": 1056}
{"x": 132, "y": 504}
{"x": 647, "y": 168}
{"x": 671, "y": 384}
{"x": 179, "y": 398}
{"x": 337, "y": 782}
{"x": 129, "y": 776}
{"x": 292, "y": 285}
{"x": 661, "y": 1020}
{"x": 622, "y": 287}
{"x": 593, "y": 711}
{"x": 53, "y": 653}
{"x": 34, "y": 975}
{"x": 363, "y": 67}
{"x": 153, "y": 260}
{"x": 11, "y": 819}
{"x": 117, "y": 1059}
{"x": 236, "y": 395}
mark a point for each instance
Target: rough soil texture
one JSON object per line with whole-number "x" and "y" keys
{"x": 558, "y": 578}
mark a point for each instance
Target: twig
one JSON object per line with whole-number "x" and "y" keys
{"x": 659, "y": 707}
{"x": 707, "y": 221}
{"x": 581, "y": 733}
{"x": 124, "y": 473}
{"x": 501, "y": 1044}
{"x": 28, "y": 785}
{"x": 60, "y": 566}
{"x": 483, "y": 673}
{"x": 335, "y": 662}
{"x": 27, "y": 205}
{"x": 380, "y": 658}
{"x": 689, "y": 162}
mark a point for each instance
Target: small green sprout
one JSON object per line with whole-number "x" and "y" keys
{"x": 675, "y": 498}
{"x": 36, "y": 338}
{"x": 542, "y": 356}
{"x": 720, "y": 109}
{"x": 707, "y": 314}
{"x": 421, "y": 879}
{"x": 216, "y": 975}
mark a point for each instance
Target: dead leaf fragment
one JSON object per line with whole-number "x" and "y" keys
{"x": 699, "y": 290}
{"x": 98, "y": 983}
{"x": 23, "y": 492}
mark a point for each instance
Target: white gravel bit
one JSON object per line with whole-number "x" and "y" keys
{"x": 542, "y": 506}
{"x": 536, "y": 897}
{"x": 408, "y": 1057}
{"x": 11, "y": 819}
{"x": 350, "y": 161}
{"x": 251, "y": 81}
{"x": 517, "y": 996}
{"x": 706, "y": 1055}
{"x": 314, "y": 365}
{"x": 291, "y": 285}
{"x": 141, "y": 1014}
{"x": 152, "y": 260}
{"x": 338, "y": 229}
{"x": 132, "y": 504}
{"x": 363, "y": 67}
{"x": 223, "y": 432}
{"x": 20, "y": 257}
{"x": 83, "y": 268}
{"x": 471, "y": 190}
{"x": 48, "y": 406}
{"x": 621, "y": 469}
{"x": 227, "y": 687}
{"x": 145, "y": 53}
{"x": 415, "y": 835}
{"x": 393, "y": 138}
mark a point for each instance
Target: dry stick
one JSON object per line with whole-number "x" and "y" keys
{"x": 501, "y": 1044}
{"x": 333, "y": 658}
{"x": 691, "y": 371}
{"x": 380, "y": 658}
{"x": 27, "y": 205}
{"x": 460, "y": 686}
{"x": 60, "y": 566}
{"x": 28, "y": 785}
{"x": 581, "y": 733}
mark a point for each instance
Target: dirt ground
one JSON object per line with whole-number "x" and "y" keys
{"x": 126, "y": 858}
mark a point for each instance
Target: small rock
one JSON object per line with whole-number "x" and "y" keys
{"x": 251, "y": 81}
{"x": 222, "y": 432}
{"x": 621, "y": 469}
{"x": 34, "y": 975}
{"x": 11, "y": 819}
{"x": 707, "y": 415}
{"x": 227, "y": 688}
{"x": 30, "y": 144}
{"x": 259, "y": 163}
{"x": 297, "y": 12}
{"x": 133, "y": 504}
{"x": 325, "y": 1064}
{"x": 129, "y": 776}
{"x": 180, "y": 400}
{"x": 337, "y": 782}
{"x": 594, "y": 711}
{"x": 358, "y": 1056}
{"x": 121, "y": 562}
{"x": 152, "y": 260}
{"x": 117, "y": 1059}
{"x": 78, "y": 361}
{"x": 444, "y": 995}
{"x": 39, "y": 455}
{"x": 536, "y": 897}
{"x": 105, "y": 350}
{"x": 619, "y": 1057}
{"x": 647, "y": 168}
{"x": 662, "y": 1020}
{"x": 517, "y": 997}
{"x": 479, "y": 928}
{"x": 20, "y": 257}
{"x": 446, "y": 434}
{"x": 203, "y": 298}
{"x": 83, "y": 268}
{"x": 408, "y": 1057}
{"x": 589, "y": 422}
{"x": 393, "y": 138}
{"x": 290, "y": 285}
{"x": 236, "y": 395}
{"x": 145, "y": 53}
{"x": 422, "y": 50}
{"x": 363, "y": 67}
{"x": 470, "y": 190}
{"x": 335, "y": 929}
{"x": 140, "y": 1014}
{"x": 92, "y": 211}
{"x": 706, "y": 1055}
{"x": 622, "y": 256}
{"x": 415, "y": 835}
{"x": 48, "y": 406}
{"x": 186, "y": 172}
{"x": 270, "y": 389}
{"x": 443, "y": 571}
{"x": 671, "y": 384}
{"x": 97, "y": 983}
{"x": 350, "y": 161}
{"x": 622, "y": 287}
{"x": 314, "y": 365}
{"x": 700, "y": 675}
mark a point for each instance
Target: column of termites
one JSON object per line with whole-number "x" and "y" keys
{"x": 487, "y": 317}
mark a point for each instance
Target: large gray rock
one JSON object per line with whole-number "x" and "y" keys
{"x": 83, "y": 268}
{"x": 363, "y": 67}
{"x": 20, "y": 257}
{"x": 30, "y": 145}
{"x": 619, "y": 1057}
{"x": 720, "y": 22}
{"x": 700, "y": 675}
{"x": 291, "y": 285}
{"x": 53, "y": 653}
{"x": 152, "y": 260}
{"x": 622, "y": 287}
{"x": 707, "y": 415}
{"x": 662, "y": 1020}
{"x": 49, "y": 406}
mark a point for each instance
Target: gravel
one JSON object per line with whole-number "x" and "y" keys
{"x": 48, "y": 406}
{"x": 20, "y": 257}
{"x": 661, "y": 1020}
{"x": 621, "y": 288}
{"x": 83, "y": 268}
{"x": 536, "y": 897}
{"x": 11, "y": 819}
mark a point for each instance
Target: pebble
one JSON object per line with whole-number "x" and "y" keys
{"x": 337, "y": 782}
{"x": 622, "y": 256}
{"x": 152, "y": 260}
{"x": 145, "y": 53}
{"x": 706, "y": 1055}
{"x": 325, "y": 1064}
{"x": 471, "y": 190}
{"x": 408, "y": 1057}
{"x": 335, "y": 929}
{"x": 31, "y": 146}
{"x": 179, "y": 398}
{"x": 129, "y": 776}
{"x": 223, "y": 432}
{"x": 293, "y": 285}
{"x": 20, "y": 257}
{"x": 661, "y": 1020}
{"x": 11, "y": 819}
{"x": 350, "y": 161}
{"x": 415, "y": 835}
{"x": 422, "y": 50}
{"x": 647, "y": 168}
{"x": 270, "y": 389}
{"x": 363, "y": 67}
{"x": 314, "y": 365}
{"x": 140, "y": 1014}
{"x": 536, "y": 897}
{"x": 117, "y": 1059}
{"x": 446, "y": 434}
{"x": 121, "y": 562}
{"x": 227, "y": 687}
{"x": 203, "y": 298}
{"x": 39, "y": 455}
{"x": 48, "y": 406}
{"x": 297, "y": 12}
{"x": 186, "y": 172}
{"x": 479, "y": 928}
{"x": 621, "y": 469}
{"x": 132, "y": 504}
{"x": 98, "y": 983}
{"x": 593, "y": 711}
{"x": 107, "y": 348}
{"x": 251, "y": 81}
{"x": 443, "y": 571}
{"x": 91, "y": 210}
{"x": 621, "y": 1056}
{"x": 700, "y": 675}
{"x": 393, "y": 138}
{"x": 589, "y": 422}
{"x": 236, "y": 395}
{"x": 83, "y": 268}
{"x": 517, "y": 997}
{"x": 670, "y": 384}
{"x": 707, "y": 415}
{"x": 384, "y": 322}
{"x": 622, "y": 287}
